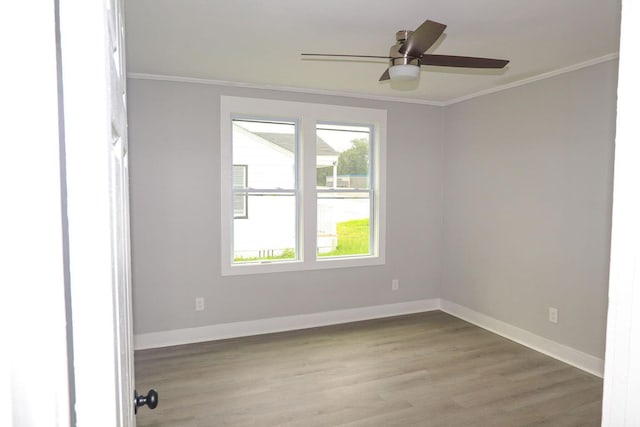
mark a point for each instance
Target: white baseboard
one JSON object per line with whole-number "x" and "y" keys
{"x": 279, "y": 324}
{"x": 566, "y": 354}
{"x": 569, "y": 355}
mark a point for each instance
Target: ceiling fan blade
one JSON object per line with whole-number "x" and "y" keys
{"x": 422, "y": 38}
{"x": 462, "y": 61}
{"x": 385, "y": 76}
{"x": 344, "y": 56}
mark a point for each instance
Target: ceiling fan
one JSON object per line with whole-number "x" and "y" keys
{"x": 408, "y": 54}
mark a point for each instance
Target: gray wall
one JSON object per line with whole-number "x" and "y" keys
{"x": 528, "y": 180}
{"x": 523, "y": 222}
{"x": 174, "y": 134}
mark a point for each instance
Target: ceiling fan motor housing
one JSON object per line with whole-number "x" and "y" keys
{"x": 397, "y": 58}
{"x": 403, "y": 35}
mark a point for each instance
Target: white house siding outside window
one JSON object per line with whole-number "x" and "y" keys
{"x": 303, "y": 186}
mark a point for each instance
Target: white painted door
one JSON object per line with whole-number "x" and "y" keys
{"x": 95, "y": 127}
{"x": 120, "y": 211}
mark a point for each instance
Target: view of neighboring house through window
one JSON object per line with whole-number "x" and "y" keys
{"x": 344, "y": 194}
{"x": 302, "y": 186}
{"x": 265, "y": 151}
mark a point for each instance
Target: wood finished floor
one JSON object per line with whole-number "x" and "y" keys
{"x": 428, "y": 369}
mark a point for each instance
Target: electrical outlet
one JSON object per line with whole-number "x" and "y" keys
{"x": 553, "y": 315}
{"x": 199, "y": 303}
{"x": 395, "y": 284}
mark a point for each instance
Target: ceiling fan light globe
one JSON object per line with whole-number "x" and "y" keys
{"x": 404, "y": 72}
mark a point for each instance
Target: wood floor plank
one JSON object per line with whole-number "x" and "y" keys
{"x": 427, "y": 369}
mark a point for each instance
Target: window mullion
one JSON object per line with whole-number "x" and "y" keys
{"x": 308, "y": 214}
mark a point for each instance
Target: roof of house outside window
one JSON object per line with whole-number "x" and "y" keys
{"x": 286, "y": 141}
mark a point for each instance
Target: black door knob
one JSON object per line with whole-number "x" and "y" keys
{"x": 151, "y": 400}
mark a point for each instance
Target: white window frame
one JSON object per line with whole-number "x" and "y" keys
{"x": 308, "y": 115}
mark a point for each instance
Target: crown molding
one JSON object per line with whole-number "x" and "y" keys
{"x": 549, "y": 74}
{"x": 162, "y": 77}
{"x": 543, "y": 76}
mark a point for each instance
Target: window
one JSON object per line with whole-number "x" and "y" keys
{"x": 313, "y": 176}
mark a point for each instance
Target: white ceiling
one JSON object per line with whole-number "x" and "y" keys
{"x": 259, "y": 42}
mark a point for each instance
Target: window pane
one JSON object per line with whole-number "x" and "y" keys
{"x": 269, "y": 148}
{"x": 270, "y": 231}
{"x": 343, "y": 224}
{"x": 342, "y": 156}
